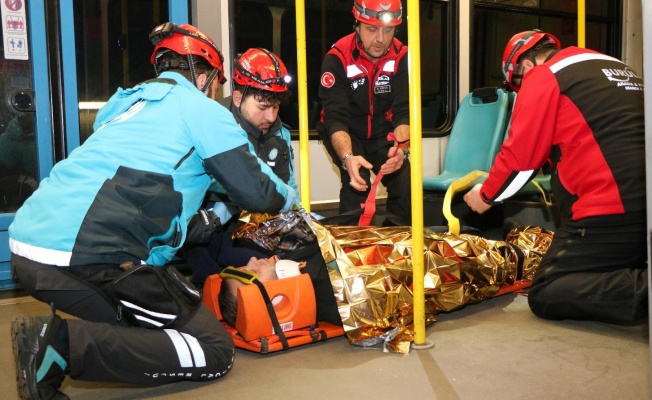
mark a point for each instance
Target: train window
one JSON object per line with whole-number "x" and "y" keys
{"x": 593, "y": 7}
{"x": 274, "y": 27}
{"x": 495, "y": 21}
{"x": 112, "y": 49}
{"x": 18, "y": 155}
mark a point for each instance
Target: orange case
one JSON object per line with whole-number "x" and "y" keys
{"x": 295, "y": 307}
{"x": 294, "y": 303}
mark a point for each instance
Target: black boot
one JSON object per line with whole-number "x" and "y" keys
{"x": 41, "y": 361}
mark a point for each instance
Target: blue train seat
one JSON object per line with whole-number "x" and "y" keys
{"x": 477, "y": 134}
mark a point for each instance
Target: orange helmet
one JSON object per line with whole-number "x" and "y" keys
{"x": 378, "y": 12}
{"x": 186, "y": 40}
{"x": 261, "y": 69}
{"x": 517, "y": 46}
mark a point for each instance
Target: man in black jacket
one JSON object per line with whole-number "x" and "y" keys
{"x": 583, "y": 111}
{"x": 364, "y": 92}
{"x": 260, "y": 87}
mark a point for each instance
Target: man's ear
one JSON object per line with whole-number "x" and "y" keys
{"x": 237, "y": 98}
{"x": 527, "y": 65}
{"x": 201, "y": 81}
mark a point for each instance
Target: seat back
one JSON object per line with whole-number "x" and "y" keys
{"x": 475, "y": 139}
{"x": 478, "y": 131}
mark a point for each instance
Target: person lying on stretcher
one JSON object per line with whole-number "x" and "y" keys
{"x": 269, "y": 269}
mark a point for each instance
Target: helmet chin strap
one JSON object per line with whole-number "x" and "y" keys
{"x": 244, "y": 93}
{"x": 191, "y": 67}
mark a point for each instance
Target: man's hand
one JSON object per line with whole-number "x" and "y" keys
{"x": 395, "y": 158}
{"x": 474, "y": 200}
{"x": 201, "y": 226}
{"x": 353, "y": 165}
{"x": 402, "y": 133}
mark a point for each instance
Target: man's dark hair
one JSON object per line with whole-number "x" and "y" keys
{"x": 228, "y": 303}
{"x": 265, "y": 96}
{"x": 172, "y": 61}
{"x": 545, "y": 48}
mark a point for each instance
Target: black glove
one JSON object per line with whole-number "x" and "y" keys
{"x": 201, "y": 226}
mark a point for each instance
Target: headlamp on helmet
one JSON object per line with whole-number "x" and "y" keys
{"x": 261, "y": 69}
{"x": 378, "y": 12}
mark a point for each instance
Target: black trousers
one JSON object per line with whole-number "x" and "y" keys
{"x": 107, "y": 350}
{"x": 399, "y": 190}
{"x": 593, "y": 272}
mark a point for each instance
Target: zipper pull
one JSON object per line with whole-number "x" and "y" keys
{"x": 119, "y": 316}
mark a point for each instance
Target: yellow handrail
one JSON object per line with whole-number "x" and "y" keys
{"x": 463, "y": 183}
{"x": 302, "y": 85}
{"x": 466, "y": 182}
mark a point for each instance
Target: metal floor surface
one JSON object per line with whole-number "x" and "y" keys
{"x": 496, "y": 349}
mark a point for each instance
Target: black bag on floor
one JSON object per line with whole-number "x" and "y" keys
{"x": 155, "y": 297}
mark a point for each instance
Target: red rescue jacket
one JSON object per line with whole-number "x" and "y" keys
{"x": 363, "y": 98}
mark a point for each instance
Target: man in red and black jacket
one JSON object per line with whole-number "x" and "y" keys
{"x": 583, "y": 111}
{"x": 364, "y": 93}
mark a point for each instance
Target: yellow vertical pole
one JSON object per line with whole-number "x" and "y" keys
{"x": 414, "y": 68}
{"x": 581, "y": 23}
{"x": 302, "y": 85}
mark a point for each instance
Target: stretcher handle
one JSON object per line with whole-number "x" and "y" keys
{"x": 460, "y": 184}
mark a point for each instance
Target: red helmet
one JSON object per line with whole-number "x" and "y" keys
{"x": 187, "y": 40}
{"x": 261, "y": 69}
{"x": 519, "y": 44}
{"x": 378, "y": 12}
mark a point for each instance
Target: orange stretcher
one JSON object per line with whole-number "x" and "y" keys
{"x": 294, "y": 306}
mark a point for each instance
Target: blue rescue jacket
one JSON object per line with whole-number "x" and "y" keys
{"x": 128, "y": 192}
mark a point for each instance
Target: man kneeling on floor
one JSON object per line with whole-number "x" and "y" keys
{"x": 96, "y": 237}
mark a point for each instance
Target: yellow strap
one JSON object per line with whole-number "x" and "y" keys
{"x": 246, "y": 277}
{"x": 460, "y": 184}
{"x": 544, "y": 195}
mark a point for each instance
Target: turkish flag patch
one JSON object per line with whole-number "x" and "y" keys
{"x": 327, "y": 80}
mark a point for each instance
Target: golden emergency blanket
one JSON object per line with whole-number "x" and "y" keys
{"x": 288, "y": 230}
{"x": 371, "y": 272}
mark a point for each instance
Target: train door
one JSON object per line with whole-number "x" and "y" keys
{"x": 60, "y": 61}
{"x": 24, "y": 153}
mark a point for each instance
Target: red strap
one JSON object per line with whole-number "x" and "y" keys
{"x": 369, "y": 205}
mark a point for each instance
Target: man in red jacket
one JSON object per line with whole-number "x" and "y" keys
{"x": 583, "y": 111}
{"x": 364, "y": 93}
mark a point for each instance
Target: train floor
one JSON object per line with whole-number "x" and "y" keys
{"x": 496, "y": 349}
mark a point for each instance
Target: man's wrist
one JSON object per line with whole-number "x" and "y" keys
{"x": 344, "y": 159}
